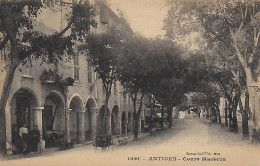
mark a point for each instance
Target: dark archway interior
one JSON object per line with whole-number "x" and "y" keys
{"x": 103, "y": 126}
{"x": 87, "y": 118}
{"x": 123, "y": 123}
{"x": 115, "y": 127}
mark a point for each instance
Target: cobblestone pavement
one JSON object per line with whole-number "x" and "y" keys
{"x": 189, "y": 142}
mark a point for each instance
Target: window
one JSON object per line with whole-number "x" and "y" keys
{"x": 104, "y": 15}
{"x": 27, "y": 69}
{"x": 76, "y": 68}
{"x": 115, "y": 88}
{"x": 124, "y": 97}
{"x": 3, "y": 53}
{"x": 90, "y": 74}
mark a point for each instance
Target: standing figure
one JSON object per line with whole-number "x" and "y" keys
{"x": 35, "y": 139}
{"x": 23, "y": 133}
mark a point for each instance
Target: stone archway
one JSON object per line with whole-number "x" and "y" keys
{"x": 24, "y": 108}
{"x": 90, "y": 119}
{"x": 53, "y": 117}
{"x": 130, "y": 122}
{"x": 76, "y": 120}
{"x": 115, "y": 122}
{"x": 103, "y": 124}
{"x": 123, "y": 123}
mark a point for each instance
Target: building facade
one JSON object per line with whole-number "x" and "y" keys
{"x": 68, "y": 110}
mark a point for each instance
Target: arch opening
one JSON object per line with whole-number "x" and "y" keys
{"x": 130, "y": 122}
{"x": 75, "y": 108}
{"x": 88, "y": 120}
{"x": 104, "y": 123}
{"x": 123, "y": 123}
{"x": 115, "y": 123}
{"x": 22, "y": 104}
{"x": 53, "y": 119}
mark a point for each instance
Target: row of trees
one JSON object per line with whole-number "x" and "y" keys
{"x": 227, "y": 34}
{"x": 141, "y": 65}
{"x": 214, "y": 31}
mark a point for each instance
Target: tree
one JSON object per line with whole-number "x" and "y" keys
{"x": 104, "y": 51}
{"x": 168, "y": 70}
{"x": 134, "y": 74}
{"x": 16, "y": 25}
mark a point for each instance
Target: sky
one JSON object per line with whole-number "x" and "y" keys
{"x": 145, "y": 16}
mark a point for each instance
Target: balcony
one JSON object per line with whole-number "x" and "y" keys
{"x": 50, "y": 77}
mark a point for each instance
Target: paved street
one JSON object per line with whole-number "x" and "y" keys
{"x": 189, "y": 141}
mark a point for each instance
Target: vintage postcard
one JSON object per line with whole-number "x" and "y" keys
{"x": 129, "y": 82}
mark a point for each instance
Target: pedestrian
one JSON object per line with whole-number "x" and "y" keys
{"x": 23, "y": 133}
{"x": 35, "y": 139}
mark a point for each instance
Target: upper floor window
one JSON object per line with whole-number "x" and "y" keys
{"x": 76, "y": 68}
{"x": 51, "y": 3}
{"x": 104, "y": 15}
{"x": 115, "y": 89}
{"x": 27, "y": 69}
{"x": 124, "y": 97}
{"x": 90, "y": 74}
{"x": 4, "y": 53}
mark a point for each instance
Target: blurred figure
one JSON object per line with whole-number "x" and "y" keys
{"x": 35, "y": 139}
{"x": 23, "y": 133}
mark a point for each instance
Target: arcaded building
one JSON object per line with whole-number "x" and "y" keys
{"x": 69, "y": 110}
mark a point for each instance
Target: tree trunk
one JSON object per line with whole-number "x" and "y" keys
{"x": 226, "y": 121}
{"x": 169, "y": 116}
{"x": 210, "y": 113}
{"x": 234, "y": 110}
{"x": 136, "y": 119}
{"x": 105, "y": 117}
{"x": 230, "y": 117}
{"x": 151, "y": 121}
{"x": 136, "y": 125}
{"x": 137, "y": 115}
{"x": 245, "y": 117}
{"x": 4, "y": 97}
{"x": 219, "y": 117}
{"x": 248, "y": 73}
{"x": 162, "y": 109}
{"x": 207, "y": 115}
{"x": 214, "y": 114}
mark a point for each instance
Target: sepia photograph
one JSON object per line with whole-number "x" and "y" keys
{"x": 129, "y": 82}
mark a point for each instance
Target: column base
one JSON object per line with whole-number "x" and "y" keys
{"x": 42, "y": 144}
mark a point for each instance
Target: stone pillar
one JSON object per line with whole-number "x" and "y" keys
{"x": 68, "y": 125}
{"x": 93, "y": 123}
{"x": 139, "y": 124}
{"x": 80, "y": 127}
{"x": 37, "y": 120}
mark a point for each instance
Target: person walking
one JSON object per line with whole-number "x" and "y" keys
{"x": 35, "y": 139}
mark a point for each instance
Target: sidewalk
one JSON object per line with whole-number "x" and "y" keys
{"x": 130, "y": 137}
{"x": 220, "y": 134}
{"x": 240, "y": 130}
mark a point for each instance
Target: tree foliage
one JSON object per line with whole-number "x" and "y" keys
{"x": 18, "y": 33}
